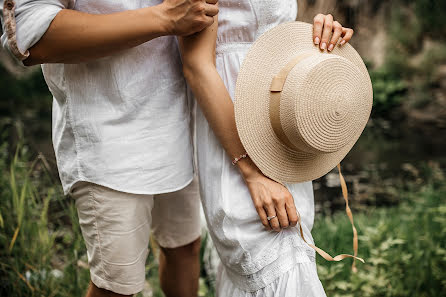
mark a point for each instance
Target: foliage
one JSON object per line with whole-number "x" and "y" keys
{"x": 28, "y": 101}
{"x": 431, "y": 16}
{"x": 40, "y": 242}
{"x": 388, "y": 91}
{"x": 404, "y": 246}
{"x": 26, "y": 93}
{"x": 399, "y": 81}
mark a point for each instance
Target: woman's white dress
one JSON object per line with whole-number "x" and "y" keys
{"x": 256, "y": 262}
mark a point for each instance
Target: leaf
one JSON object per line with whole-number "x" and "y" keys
{"x": 11, "y": 245}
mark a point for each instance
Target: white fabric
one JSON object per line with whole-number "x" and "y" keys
{"x": 122, "y": 121}
{"x": 300, "y": 281}
{"x": 256, "y": 262}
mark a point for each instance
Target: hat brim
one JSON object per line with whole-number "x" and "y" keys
{"x": 267, "y": 56}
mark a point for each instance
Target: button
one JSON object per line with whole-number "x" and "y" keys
{"x": 9, "y": 4}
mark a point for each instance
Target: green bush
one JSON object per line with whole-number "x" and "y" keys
{"x": 388, "y": 91}
{"x": 404, "y": 247}
{"x": 431, "y": 14}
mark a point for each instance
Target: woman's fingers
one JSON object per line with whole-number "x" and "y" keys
{"x": 291, "y": 211}
{"x": 337, "y": 31}
{"x": 263, "y": 216}
{"x": 282, "y": 215}
{"x": 271, "y": 212}
{"x": 347, "y": 34}
{"x": 317, "y": 28}
{"x": 326, "y": 32}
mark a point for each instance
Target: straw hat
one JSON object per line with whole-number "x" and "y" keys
{"x": 298, "y": 110}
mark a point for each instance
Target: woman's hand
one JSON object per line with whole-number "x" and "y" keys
{"x": 269, "y": 197}
{"x": 327, "y": 32}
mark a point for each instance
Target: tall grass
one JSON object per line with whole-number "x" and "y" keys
{"x": 41, "y": 247}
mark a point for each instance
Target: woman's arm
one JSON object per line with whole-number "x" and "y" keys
{"x": 269, "y": 197}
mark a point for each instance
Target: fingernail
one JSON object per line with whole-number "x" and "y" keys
{"x": 323, "y": 46}
{"x": 330, "y": 48}
{"x": 317, "y": 40}
{"x": 342, "y": 42}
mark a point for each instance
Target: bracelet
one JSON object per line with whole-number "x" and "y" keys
{"x": 235, "y": 161}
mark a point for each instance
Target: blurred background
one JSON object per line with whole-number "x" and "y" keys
{"x": 395, "y": 173}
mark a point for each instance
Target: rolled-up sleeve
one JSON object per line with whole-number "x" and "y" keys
{"x": 25, "y": 21}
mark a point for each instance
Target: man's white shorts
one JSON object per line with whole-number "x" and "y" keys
{"x": 116, "y": 228}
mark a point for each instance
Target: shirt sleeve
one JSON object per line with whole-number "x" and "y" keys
{"x": 25, "y": 21}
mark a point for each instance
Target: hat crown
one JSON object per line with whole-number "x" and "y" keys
{"x": 320, "y": 102}
{"x": 312, "y": 111}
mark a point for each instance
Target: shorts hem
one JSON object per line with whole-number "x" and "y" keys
{"x": 116, "y": 287}
{"x": 178, "y": 242}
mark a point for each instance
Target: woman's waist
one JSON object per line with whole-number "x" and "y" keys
{"x": 233, "y": 46}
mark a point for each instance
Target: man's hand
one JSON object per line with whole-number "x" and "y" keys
{"x": 327, "y": 32}
{"x": 186, "y": 17}
{"x": 269, "y": 197}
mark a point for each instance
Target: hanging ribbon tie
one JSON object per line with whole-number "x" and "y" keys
{"x": 340, "y": 257}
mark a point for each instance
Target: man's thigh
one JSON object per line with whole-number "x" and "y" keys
{"x": 116, "y": 230}
{"x": 176, "y": 217}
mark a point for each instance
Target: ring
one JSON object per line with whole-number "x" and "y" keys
{"x": 270, "y": 218}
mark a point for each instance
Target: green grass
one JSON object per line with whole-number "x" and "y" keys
{"x": 404, "y": 247}
{"x": 41, "y": 246}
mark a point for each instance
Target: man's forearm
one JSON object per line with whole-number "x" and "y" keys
{"x": 75, "y": 37}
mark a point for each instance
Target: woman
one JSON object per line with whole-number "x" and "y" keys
{"x": 256, "y": 262}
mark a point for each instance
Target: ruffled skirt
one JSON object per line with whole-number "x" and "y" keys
{"x": 300, "y": 281}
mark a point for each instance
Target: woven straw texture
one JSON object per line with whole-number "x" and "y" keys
{"x": 325, "y": 104}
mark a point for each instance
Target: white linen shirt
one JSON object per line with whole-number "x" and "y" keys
{"x": 122, "y": 121}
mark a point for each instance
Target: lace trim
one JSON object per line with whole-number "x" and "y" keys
{"x": 286, "y": 245}
{"x": 268, "y": 274}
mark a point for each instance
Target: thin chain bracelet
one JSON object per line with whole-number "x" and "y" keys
{"x": 235, "y": 161}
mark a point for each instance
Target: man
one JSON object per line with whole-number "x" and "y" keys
{"x": 120, "y": 128}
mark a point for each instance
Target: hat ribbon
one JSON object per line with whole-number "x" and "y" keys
{"x": 274, "y": 110}
{"x": 274, "y": 103}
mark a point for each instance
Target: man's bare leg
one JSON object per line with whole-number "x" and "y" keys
{"x": 94, "y": 291}
{"x": 179, "y": 270}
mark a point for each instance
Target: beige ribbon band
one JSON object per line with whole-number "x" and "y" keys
{"x": 274, "y": 103}
{"x": 340, "y": 257}
{"x": 274, "y": 111}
